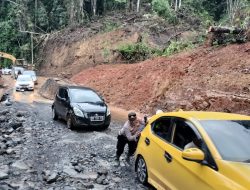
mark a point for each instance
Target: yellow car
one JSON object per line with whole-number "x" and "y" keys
{"x": 195, "y": 151}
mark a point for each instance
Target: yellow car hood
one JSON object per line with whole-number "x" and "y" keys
{"x": 237, "y": 172}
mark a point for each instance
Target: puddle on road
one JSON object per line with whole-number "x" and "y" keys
{"x": 25, "y": 96}
{"x": 29, "y": 97}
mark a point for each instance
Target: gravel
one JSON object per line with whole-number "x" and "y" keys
{"x": 39, "y": 153}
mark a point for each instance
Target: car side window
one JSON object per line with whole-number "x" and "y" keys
{"x": 184, "y": 135}
{"x": 162, "y": 128}
{"x": 63, "y": 93}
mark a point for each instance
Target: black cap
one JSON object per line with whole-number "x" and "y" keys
{"x": 131, "y": 115}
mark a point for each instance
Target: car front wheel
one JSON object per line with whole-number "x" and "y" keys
{"x": 70, "y": 124}
{"x": 54, "y": 114}
{"x": 141, "y": 170}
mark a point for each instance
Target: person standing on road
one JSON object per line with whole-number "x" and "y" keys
{"x": 129, "y": 134}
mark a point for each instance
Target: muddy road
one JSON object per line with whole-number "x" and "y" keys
{"x": 39, "y": 153}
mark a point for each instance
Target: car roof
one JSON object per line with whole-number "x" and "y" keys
{"x": 29, "y": 71}
{"x": 18, "y": 67}
{"x": 76, "y": 87}
{"x": 24, "y": 76}
{"x": 202, "y": 115}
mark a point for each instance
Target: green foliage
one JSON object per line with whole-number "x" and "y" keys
{"x": 51, "y": 15}
{"x": 140, "y": 51}
{"x": 115, "y": 5}
{"x": 41, "y": 17}
{"x": 120, "y": 1}
{"x": 163, "y": 9}
{"x": 110, "y": 26}
{"x": 106, "y": 52}
{"x": 176, "y": 47}
{"x": 195, "y": 9}
{"x": 135, "y": 52}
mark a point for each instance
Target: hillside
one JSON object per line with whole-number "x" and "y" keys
{"x": 67, "y": 52}
{"x": 207, "y": 78}
{"x": 215, "y": 79}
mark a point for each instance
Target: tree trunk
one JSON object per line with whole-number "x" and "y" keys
{"x": 179, "y": 3}
{"x": 217, "y": 29}
{"x": 93, "y": 2}
{"x": 71, "y": 16}
{"x": 130, "y": 5}
{"x": 138, "y": 6}
{"x": 220, "y": 34}
{"x": 176, "y": 5}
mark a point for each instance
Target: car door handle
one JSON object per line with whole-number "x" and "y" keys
{"x": 147, "y": 141}
{"x": 168, "y": 157}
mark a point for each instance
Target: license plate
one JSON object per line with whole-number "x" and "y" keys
{"x": 97, "y": 118}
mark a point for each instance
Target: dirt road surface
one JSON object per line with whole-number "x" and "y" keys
{"x": 39, "y": 153}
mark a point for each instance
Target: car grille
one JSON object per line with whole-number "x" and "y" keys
{"x": 23, "y": 85}
{"x": 95, "y": 113}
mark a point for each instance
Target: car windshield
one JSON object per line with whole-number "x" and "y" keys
{"x": 231, "y": 138}
{"x": 24, "y": 78}
{"x": 32, "y": 73}
{"x": 84, "y": 95}
{"x": 18, "y": 68}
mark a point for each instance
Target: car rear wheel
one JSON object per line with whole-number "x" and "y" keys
{"x": 141, "y": 170}
{"x": 54, "y": 114}
{"x": 70, "y": 124}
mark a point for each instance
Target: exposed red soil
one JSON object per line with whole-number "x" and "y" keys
{"x": 215, "y": 79}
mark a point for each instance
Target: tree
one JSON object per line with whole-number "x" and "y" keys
{"x": 234, "y": 8}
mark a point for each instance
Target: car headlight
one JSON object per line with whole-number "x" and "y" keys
{"x": 31, "y": 85}
{"x": 78, "y": 112}
{"x": 108, "y": 112}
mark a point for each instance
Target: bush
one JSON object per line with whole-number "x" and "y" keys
{"x": 109, "y": 26}
{"x": 140, "y": 51}
{"x": 135, "y": 52}
{"x": 163, "y": 9}
{"x": 176, "y": 47}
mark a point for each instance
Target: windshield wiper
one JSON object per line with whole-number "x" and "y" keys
{"x": 85, "y": 102}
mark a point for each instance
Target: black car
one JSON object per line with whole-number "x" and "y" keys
{"x": 81, "y": 107}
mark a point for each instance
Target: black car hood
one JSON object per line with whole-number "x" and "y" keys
{"x": 91, "y": 106}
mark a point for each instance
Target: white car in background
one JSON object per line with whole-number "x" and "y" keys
{"x": 6, "y": 71}
{"x": 32, "y": 74}
{"x": 24, "y": 82}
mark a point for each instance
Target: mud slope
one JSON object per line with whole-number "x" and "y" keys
{"x": 67, "y": 52}
{"x": 216, "y": 79}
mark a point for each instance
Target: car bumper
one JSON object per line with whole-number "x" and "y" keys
{"x": 24, "y": 88}
{"x": 85, "y": 122}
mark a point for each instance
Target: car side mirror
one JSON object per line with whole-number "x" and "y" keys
{"x": 63, "y": 99}
{"x": 102, "y": 98}
{"x": 193, "y": 154}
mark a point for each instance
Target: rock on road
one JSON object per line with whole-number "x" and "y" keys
{"x": 39, "y": 153}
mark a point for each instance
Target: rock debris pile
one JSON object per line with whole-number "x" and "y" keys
{"x": 39, "y": 153}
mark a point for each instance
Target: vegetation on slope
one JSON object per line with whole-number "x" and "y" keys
{"x": 19, "y": 19}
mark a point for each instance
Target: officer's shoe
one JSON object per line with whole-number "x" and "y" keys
{"x": 117, "y": 162}
{"x": 128, "y": 160}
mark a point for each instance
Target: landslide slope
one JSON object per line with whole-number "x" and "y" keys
{"x": 67, "y": 52}
{"x": 214, "y": 79}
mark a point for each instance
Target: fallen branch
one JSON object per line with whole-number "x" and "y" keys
{"x": 223, "y": 35}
